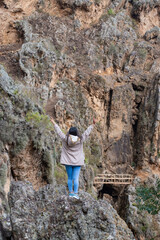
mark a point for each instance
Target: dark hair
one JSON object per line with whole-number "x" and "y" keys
{"x": 73, "y": 131}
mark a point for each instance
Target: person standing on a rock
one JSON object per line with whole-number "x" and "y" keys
{"x": 72, "y": 155}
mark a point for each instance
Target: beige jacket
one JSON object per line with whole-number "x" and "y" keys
{"x": 72, "y": 153}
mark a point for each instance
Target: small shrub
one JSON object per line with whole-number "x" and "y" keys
{"x": 39, "y": 120}
{"x": 86, "y": 160}
{"x": 111, "y": 12}
{"x": 148, "y": 198}
{"x": 16, "y": 92}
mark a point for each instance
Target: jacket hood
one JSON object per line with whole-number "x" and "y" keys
{"x": 73, "y": 140}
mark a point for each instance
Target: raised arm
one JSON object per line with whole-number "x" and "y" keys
{"x": 58, "y": 130}
{"x": 86, "y": 134}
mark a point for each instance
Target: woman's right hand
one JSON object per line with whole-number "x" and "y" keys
{"x": 52, "y": 120}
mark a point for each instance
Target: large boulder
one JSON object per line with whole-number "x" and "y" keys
{"x": 51, "y": 214}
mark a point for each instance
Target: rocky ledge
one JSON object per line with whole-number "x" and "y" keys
{"x": 50, "y": 214}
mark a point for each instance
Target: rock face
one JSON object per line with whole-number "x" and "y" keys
{"x": 51, "y": 214}
{"x": 143, "y": 224}
{"x": 75, "y": 60}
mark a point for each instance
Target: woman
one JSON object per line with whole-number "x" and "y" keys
{"x": 72, "y": 155}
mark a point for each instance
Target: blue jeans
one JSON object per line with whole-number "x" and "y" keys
{"x": 73, "y": 177}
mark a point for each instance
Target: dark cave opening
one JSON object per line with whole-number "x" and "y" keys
{"x": 117, "y": 197}
{"x": 5, "y": 235}
{"x": 110, "y": 190}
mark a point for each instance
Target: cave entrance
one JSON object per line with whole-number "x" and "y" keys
{"x": 116, "y": 196}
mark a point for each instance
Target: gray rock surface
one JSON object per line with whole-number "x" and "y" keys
{"x": 43, "y": 53}
{"x": 143, "y": 5}
{"x": 6, "y": 83}
{"x": 84, "y": 4}
{"x": 51, "y": 214}
{"x": 153, "y": 33}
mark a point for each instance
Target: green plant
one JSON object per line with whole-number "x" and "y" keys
{"x": 39, "y": 120}
{"x": 111, "y": 12}
{"x": 86, "y": 160}
{"x": 15, "y": 92}
{"x": 148, "y": 198}
{"x": 144, "y": 228}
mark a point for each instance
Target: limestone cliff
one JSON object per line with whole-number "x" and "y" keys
{"x": 75, "y": 60}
